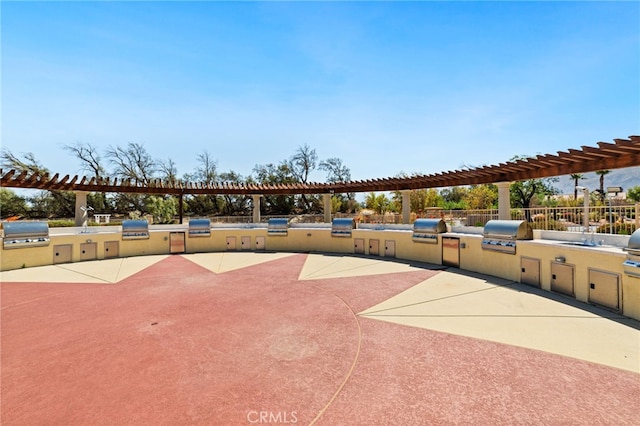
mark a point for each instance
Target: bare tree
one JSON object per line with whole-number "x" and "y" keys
{"x": 28, "y": 164}
{"x": 336, "y": 171}
{"x": 89, "y": 156}
{"x": 207, "y": 172}
{"x": 301, "y": 164}
{"x": 46, "y": 203}
{"x": 168, "y": 170}
{"x": 133, "y": 162}
{"x": 92, "y": 162}
{"x": 234, "y": 204}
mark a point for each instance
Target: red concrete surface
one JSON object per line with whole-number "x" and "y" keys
{"x": 178, "y": 344}
{"x": 411, "y": 376}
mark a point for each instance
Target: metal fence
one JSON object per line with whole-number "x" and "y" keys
{"x": 619, "y": 219}
{"x": 602, "y": 219}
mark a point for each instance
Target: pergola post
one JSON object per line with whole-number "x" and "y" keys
{"x": 326, "y": 199}
{"x": 81, "y": 213}
{"x": 256, "y": 208}
{"x": 406, "y": 205}
{"x": 504, "y": 200}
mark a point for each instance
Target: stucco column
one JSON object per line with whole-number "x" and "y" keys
{"x": 81, "y": 208}
{"x": 406, "y": 205}
{"x": 504, "y": 200}
{"x": 326, "y": 199}
{"x": 256, "y": 208}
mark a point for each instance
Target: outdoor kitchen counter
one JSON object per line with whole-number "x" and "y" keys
{"x": 576, "y": 245}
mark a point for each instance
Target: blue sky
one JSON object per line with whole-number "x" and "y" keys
{"x": 388, "y": 87}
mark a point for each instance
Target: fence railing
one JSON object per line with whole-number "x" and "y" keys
{"x": 602, "y": 219}
{"x": 620, "y": 219}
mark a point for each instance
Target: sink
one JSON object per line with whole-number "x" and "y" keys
{"x": 582, "y": 244}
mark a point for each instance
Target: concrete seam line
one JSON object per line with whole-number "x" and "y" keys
{"x": 353, "y": 364}
{"x": 119, "y": 269}
{"x": 86, "y": 275}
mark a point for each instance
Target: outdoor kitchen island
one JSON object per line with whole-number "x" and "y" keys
{"x": 561, "y": 262}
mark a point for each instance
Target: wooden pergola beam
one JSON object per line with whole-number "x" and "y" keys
{"x": 622, "y": 153}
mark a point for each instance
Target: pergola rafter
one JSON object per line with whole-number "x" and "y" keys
{"x": 606, "y": 156}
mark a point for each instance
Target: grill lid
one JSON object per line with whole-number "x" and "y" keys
{"x": 429, "y": 226}
{"x": 341, "y": 227}
{"x": 633, "y": 247}
{"x": 25, "y": 234}
{"x": 278, "y": 222}
{"x": 344, "y": 223}
{"x": 199, "y": 227}
{"x": 200, "y": 223}
{"x": 135, "y": 229}
{"x": 508, "y": 230}
{"x": 278, "y": 226}
{"x": 15, "y": 230}
{"x": 135, "y": 225}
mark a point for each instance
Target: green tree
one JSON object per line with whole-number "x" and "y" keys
{"x": 633, "y": 194}
{"x": 523, "y": 192}
{"x": 454, "y": 197}
{"x": 338, "y": 172}
{"x": 419, "y": 199}
{"x": 12, "y": 204}
{"x": 270, "y": 174}
{"x": 336, "y": 204}
{"x": 482, "y": 196}
{"x": 163, "y": 209}
{"x": 235, "y": 204}
{"x": 52, "y": 204}
{"x": 379, "y": 203}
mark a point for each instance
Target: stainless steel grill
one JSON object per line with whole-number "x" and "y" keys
{"x": 342, "y": 227}
{"x": 278, "y": 226}
{"x": 632, "y": 264}
{"x": 199, "y": 228}
{"x": 427, "y": 230}
{"x": 135, "y": 229}
{"x": 501, "y": 235}
{"x": 25, "y": 234}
